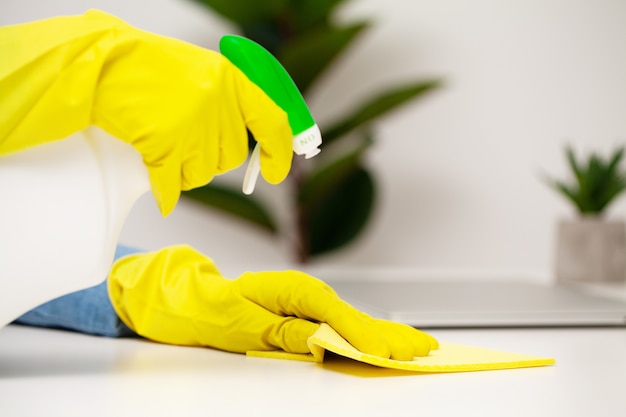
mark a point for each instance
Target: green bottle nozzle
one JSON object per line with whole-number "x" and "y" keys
{"x": 263, "y": 69}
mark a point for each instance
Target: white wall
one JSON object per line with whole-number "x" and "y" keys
{"x": 459, "y": 171}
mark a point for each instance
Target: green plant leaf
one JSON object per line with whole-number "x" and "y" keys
{"x": 245, "y": 12}
{"x": 234, "y": 203}
{"x": 609, "y": 180}
{"x": 310, "y": 14}
{"x": 596, "y": 183}
{"x": 320, "y": 183}
{"x": 336, "y": 203}
{"x": 379, "y": 106}
{"x": 272, "y": 23}
{"x": 306, "y": 57}
{"x": 612, "y": 190}
{"x": 572, "y": 195}
{"x": 615, "y": 160}
{"x": 573, "y": 163}
{"x": 344, "y": 215}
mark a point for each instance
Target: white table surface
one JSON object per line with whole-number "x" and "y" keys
{"x": 53, "y": 373}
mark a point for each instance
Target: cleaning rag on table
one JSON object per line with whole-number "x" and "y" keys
{"x": 448, "y": 358}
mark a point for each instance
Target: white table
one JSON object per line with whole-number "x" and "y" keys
{"x": 53, "y": 373}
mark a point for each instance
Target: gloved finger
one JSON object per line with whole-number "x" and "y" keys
{"x": 405, "y": 342}
{"x": 294, "y": 293}
{"x": 232, "y": 135}
{"x": 249, "y": 326}
{"x": 434, "y": 343}
{"x": 269, "y": 126}
{"x": 291, "y": 334}
{"x": 299, "y": 294}
{"x": 260, "y": 329}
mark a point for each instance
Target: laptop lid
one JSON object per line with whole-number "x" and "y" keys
{"x": 449, "y": 304}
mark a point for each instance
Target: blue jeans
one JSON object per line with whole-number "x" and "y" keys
{"x": 87, "y": 311}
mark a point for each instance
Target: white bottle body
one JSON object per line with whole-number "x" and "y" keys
{"x": 63, "y": 208}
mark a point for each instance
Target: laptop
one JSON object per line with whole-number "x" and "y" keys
{"x": 450, "y": 304}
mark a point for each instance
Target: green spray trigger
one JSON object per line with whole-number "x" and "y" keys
{"x": 263, "y": 69}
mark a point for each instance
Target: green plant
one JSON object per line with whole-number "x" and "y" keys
{"x": 332, "y": 202}
{"x": 596, "y": 183}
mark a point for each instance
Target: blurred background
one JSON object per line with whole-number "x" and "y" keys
{"x": 458, "y": 171}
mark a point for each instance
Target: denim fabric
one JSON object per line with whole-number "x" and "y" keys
{"x": 87, "y": 311}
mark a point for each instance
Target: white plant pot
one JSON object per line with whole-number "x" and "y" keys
{"x": 591, "y": 249}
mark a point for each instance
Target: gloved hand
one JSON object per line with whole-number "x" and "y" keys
{"x": 184, "y": 109}
{"x": 178, "y": 296}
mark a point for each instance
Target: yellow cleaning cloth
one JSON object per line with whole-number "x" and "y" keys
{"x": 448, "y": 358}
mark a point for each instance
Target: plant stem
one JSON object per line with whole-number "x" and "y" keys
{"x": 301, "y": 247}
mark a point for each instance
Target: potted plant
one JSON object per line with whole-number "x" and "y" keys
{"x": 591, "y": 247}
{"x": 333, "y": 195}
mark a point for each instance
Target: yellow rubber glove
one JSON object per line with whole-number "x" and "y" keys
{"x": 185, "y": 109}
{"x": 178, "y": 296}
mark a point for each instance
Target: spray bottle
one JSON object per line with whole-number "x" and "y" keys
{"x": 263, "y": 69}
